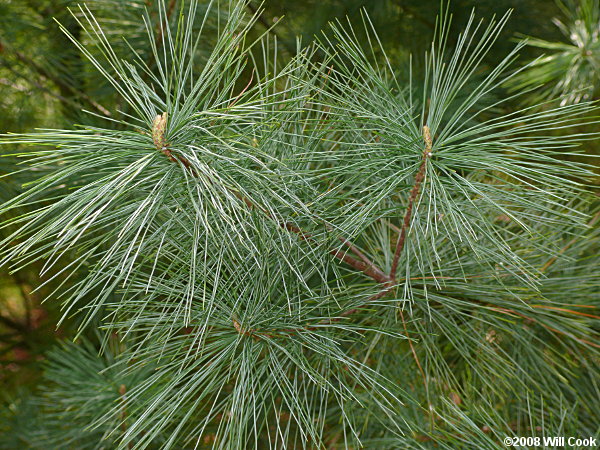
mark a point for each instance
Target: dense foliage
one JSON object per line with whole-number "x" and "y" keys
{"x": 248, "y": 240}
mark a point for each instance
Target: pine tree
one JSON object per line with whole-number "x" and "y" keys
{"x": 321, "y": 251}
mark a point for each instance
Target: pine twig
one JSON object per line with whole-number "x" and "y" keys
{"x": 389, "y": 281}
{"x": 414, "y": 194}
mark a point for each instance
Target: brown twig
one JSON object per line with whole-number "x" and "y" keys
{"x": 365, "y": 266}
{"x": 238, "y": 327}
{"x": 371, "y": 268}
{"x": 414, "y": 193}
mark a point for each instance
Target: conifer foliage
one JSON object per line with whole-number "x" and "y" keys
{"x": 323, "y": 251}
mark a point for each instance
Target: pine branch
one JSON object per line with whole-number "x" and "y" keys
{"x": 388, "y": 281}
{"x": 365, "y": 266}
